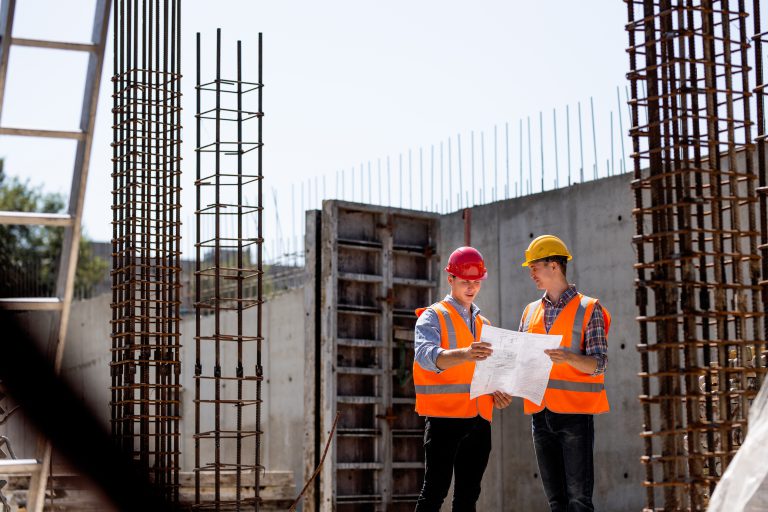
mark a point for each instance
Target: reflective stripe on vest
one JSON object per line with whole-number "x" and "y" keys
{"x": 441, "y": 310}
{"x": 439, "y": 389}
{"x": 528, "y": 314}
{"x": 568, "y": 385}
{"x": 578, "y": 323}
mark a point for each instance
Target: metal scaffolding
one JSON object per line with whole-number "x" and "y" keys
{"x": 698, "y": 286}
{"x": 145, "y": 366}
{"x": 228, "y": 282}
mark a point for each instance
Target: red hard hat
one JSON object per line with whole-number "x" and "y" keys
{"x": 467, "y": 263}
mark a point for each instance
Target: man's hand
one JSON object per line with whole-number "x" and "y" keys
{"x": 501, "y": 399}
{"x": 559, "y": 355}
{"x": 478, "y": 351}
{"x": 583, "y": 363}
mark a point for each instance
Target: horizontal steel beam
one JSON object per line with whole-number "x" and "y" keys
{"x": 31, "y": 304}
{"x": 30, "y": 132}
{"x": 54, "y": 45}
{"x": 37, "y": 219}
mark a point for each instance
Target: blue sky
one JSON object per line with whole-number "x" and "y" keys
{"x": 348, "y": 82}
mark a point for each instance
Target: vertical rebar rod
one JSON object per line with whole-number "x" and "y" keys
{"x": 507, "y": 191}
{"x": 594, "y": 133}
{"x": 557, "y": 161}
{"x": 520, "y": 152}
{"x": 432, "y": 177}
{"x": 530, "y": 160}
{"x": 541, "y": 147}
{"x": 568, "y": 139}
{"x": 495, "y": 163}
{"x": 458, "y": 160}
{"x": 621, "y": 131}
{"x": 581, "y": 147}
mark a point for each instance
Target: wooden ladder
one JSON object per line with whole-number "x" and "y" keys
{"x": 39, "y": 468}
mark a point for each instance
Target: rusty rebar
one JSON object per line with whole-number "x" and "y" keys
{"x": 228, "y": 282}
{"x": 145, "y": 367}
{"x": 698, "y": 288}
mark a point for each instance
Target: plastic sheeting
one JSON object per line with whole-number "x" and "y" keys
{"x": 744, "y": 485}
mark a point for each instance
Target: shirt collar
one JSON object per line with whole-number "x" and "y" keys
{"x": 566, "y": 297}
{"x": 474, "y": 309}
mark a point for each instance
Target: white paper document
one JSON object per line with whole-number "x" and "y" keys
{"x": 518, "y": 365}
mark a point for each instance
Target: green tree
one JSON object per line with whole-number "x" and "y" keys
{"x": 29, "y": 255}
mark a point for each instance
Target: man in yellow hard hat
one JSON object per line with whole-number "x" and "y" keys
{"x": 563, "y": 428}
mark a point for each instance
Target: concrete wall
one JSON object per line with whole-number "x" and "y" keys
{"x": 86, "y": 366}
{"x": 594, "y": 219}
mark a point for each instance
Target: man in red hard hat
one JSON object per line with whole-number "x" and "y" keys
{"x": 457, "y": 436}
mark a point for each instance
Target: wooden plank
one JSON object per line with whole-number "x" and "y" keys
{"x": 35, "y": 219}
{"x": 32, "y": 132}
{"x": 55, "y": 45}
{"x": 18, "y": 466}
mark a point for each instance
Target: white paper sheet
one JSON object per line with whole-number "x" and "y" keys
{"x": 518, "y": 365}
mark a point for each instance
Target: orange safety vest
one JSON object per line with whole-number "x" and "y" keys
{"x": 446, "y": 394}
{"x": 569, "y": 391}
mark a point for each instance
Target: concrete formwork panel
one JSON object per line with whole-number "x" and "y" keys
{"x": 372, "y": 267}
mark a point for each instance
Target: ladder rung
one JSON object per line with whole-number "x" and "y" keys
{"x": 37, "y": 219}
{"x": 359, "y": 400}
{"x": 407, "y": 465}
{"x": 352, "y": 370}
{"x": 421, "y": 283}
{"x": 54, "y": 45}
{"x": 30, "y": 132}
{"x": 31, "y": 304}
{"x": 358, "y": 342}
{"x": 19, "y": 466}
{"x": 360, "y": 278}
{"x": 361, "y": 432}
{"x": 359, "y": 465}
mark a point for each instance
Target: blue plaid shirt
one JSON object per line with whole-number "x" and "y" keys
{"x": 427, "y": 333}
{"x": 595, "y": 339}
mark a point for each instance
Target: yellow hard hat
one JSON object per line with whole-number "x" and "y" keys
{"x": 544, "y": 247}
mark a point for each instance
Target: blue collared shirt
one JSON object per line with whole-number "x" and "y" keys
{"x": 427, "y": 333}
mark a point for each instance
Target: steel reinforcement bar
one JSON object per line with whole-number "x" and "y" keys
{"x": 699, "y": 290}
{"x": 145, "y": 367}
{"x": 228, "y": 288}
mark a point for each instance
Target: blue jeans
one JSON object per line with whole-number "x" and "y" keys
{"x": 563, "y": 445}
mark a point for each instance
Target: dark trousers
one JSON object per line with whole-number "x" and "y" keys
{"x": 454, "y": 446}
{"x": 563, "y": 445}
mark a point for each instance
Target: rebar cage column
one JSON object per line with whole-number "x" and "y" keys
{"x": 760, "y": 38}
{"x": 698, "y": 285}
{"x": 146, "y": 229}
{"x": 228, "y": 283}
